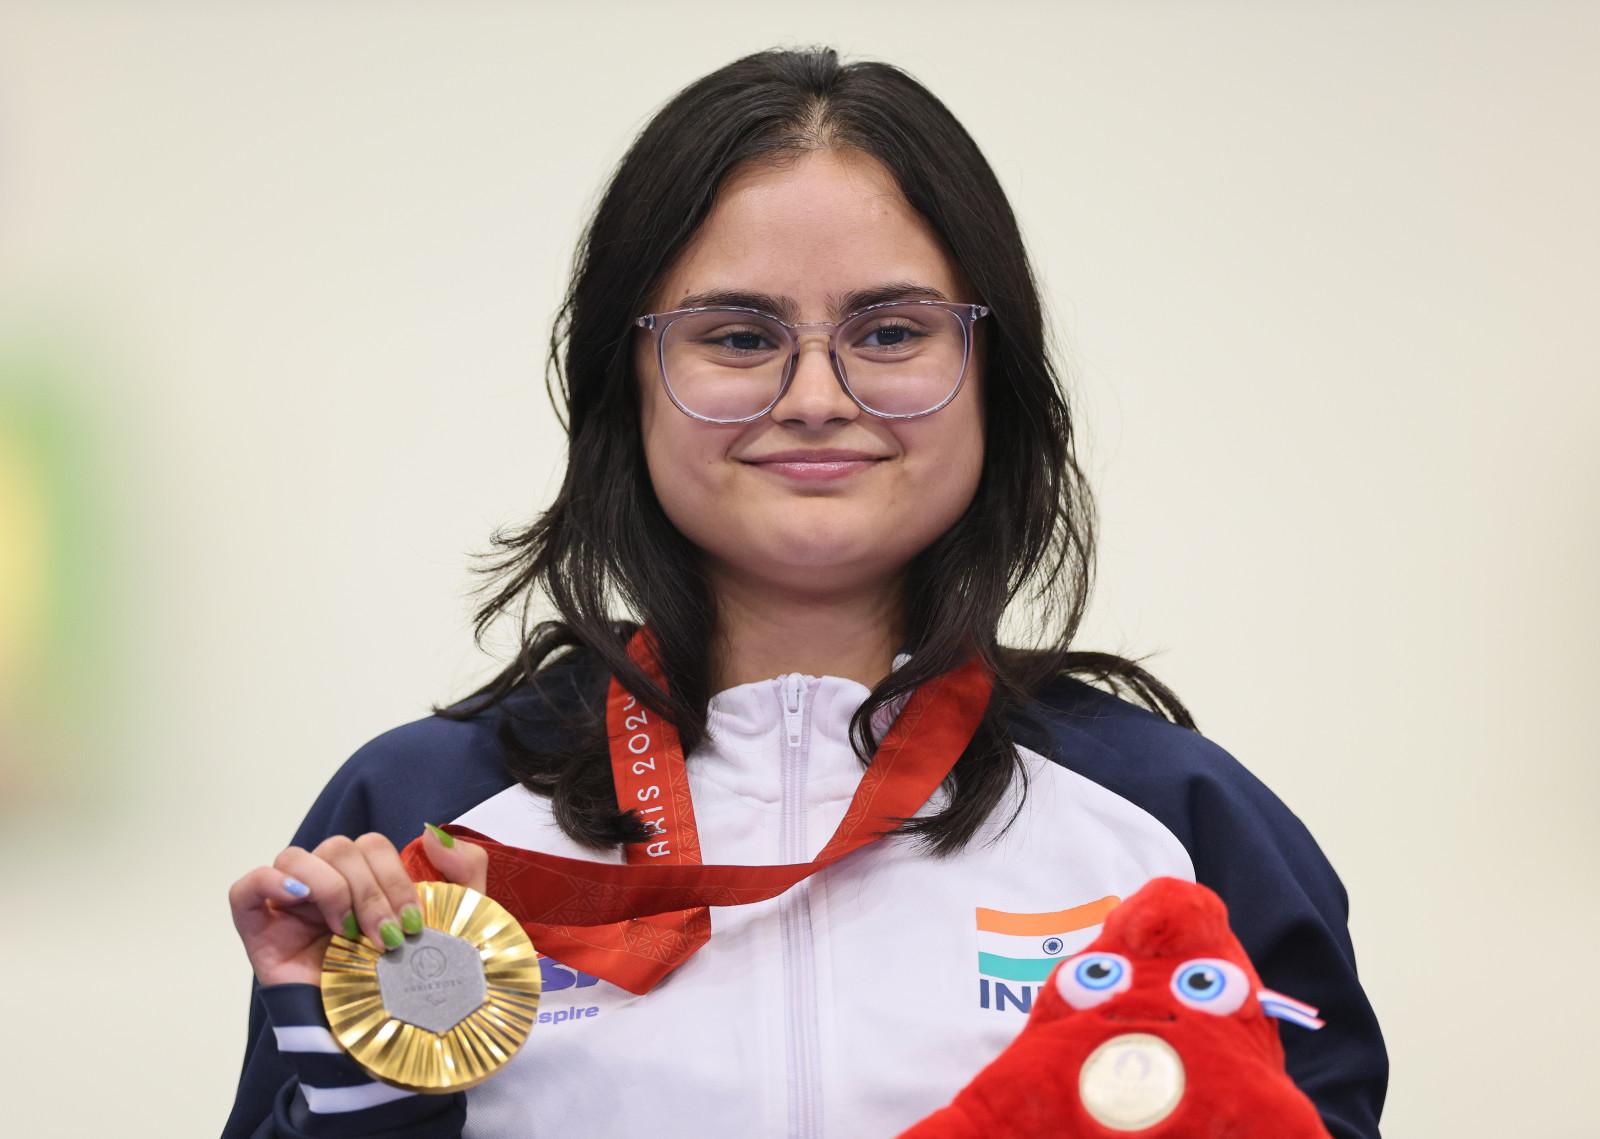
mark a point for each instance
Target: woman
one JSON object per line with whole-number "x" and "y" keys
{"x": 816, "y": 443}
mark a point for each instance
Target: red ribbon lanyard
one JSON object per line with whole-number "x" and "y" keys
{"x": 633, "y": 923}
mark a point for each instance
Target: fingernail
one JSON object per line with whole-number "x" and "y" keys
{"x": 296, "y": 887}
{"x": 446, "y": 839}
{"x": 391, "y": 935}
{"x": 352, "y": 929}
{"x": 411, "y": 919}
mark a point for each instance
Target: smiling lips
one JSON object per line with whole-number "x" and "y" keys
{"x": 816, "y": 464}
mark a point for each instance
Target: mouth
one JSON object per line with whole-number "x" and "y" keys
{"x": 815, "y": 464}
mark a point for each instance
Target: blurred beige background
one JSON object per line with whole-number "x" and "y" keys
{"x": 275, "y": 283}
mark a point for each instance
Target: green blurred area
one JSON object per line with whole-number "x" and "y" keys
{"x": 57, "y": 570}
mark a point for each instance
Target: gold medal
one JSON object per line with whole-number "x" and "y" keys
{"x": 445, "y": 1010}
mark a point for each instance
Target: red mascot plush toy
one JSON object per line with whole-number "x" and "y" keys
{"x": 1160, "y": 1029}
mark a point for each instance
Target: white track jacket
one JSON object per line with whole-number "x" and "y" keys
{"x": 866, "y": 996}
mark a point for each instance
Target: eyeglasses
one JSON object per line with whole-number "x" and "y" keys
{"x": 897, "y": 360}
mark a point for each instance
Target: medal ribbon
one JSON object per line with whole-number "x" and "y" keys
{"x": 632, "y": 923}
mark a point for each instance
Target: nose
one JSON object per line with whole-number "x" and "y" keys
{"x": 815, "y": 396}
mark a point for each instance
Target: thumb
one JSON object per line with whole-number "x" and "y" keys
{"x": 459, "y": 861}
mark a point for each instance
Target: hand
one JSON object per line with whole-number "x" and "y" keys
{"x": 287, "y": 913}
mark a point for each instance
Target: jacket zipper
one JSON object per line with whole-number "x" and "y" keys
{"x": 794, "y": 921}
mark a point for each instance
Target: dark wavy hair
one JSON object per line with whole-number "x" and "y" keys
{"x": 1027, "y": 535}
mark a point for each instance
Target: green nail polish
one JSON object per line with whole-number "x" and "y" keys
{"x": 411, "y": 919}
{"x": 391, "y": 935}
{"x": 446, "y": 839}
{"x": 351, "y": 929}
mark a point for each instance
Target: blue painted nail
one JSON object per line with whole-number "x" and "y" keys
{"x": 296, "y": 887}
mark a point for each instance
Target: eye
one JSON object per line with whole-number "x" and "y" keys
{"x": 890, "y": 336}
{"x": 1093, "y": 978}
{"x": 740, "y": 340}
{"x": 1210, "y": 985}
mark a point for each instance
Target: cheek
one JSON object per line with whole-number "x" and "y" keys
{"x": 685, "y": 461}
{"x": 674, "y": 456}
{"x": 668, "y": 449}
{"x": 949, "y": 460}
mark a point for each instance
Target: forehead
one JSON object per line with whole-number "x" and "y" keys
{"x": 811, "y": 233}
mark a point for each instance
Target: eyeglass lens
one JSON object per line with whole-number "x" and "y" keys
{"x": 897, "y": 360}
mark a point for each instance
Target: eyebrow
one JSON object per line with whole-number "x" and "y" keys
{"x": 787, "y": 309}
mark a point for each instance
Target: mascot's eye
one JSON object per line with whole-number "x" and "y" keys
{"x": 1093, "y": 978}
{"x": 1210, "y": 985}
{"x": 1099, "y": 973}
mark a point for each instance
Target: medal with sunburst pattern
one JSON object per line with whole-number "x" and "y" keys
{"x": 447, "y": 1009}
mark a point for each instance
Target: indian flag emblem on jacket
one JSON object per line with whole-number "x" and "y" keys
{"x": 1016, "y": 952}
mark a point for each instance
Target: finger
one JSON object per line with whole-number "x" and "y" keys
{"x": 458, "y": 860}
{"x": 330, "y": 893}
{"x": 373, "y": 914}
{"x": 251, "y": 897}
{"x": 384, "y": 862}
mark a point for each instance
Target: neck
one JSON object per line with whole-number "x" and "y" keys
{"x": 764, "y": 632}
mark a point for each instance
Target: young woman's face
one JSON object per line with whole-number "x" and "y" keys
{"x": 769, "y": 501}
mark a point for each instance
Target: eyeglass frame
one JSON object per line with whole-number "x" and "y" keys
{"x": 657, "y": 323}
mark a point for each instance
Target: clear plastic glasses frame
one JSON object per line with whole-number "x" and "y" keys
{"x": 657, "y": 324}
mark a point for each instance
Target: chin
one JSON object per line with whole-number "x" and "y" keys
{"x": 812, "y": 544}
{"x": 802, "y": 558}
{"x": 838, "y": 558}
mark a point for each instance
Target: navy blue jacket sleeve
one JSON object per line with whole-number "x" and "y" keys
{"x": 1285, "y": 903}
{"x": 295, "y": 1083}
{"x": 324, "y": 1094}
